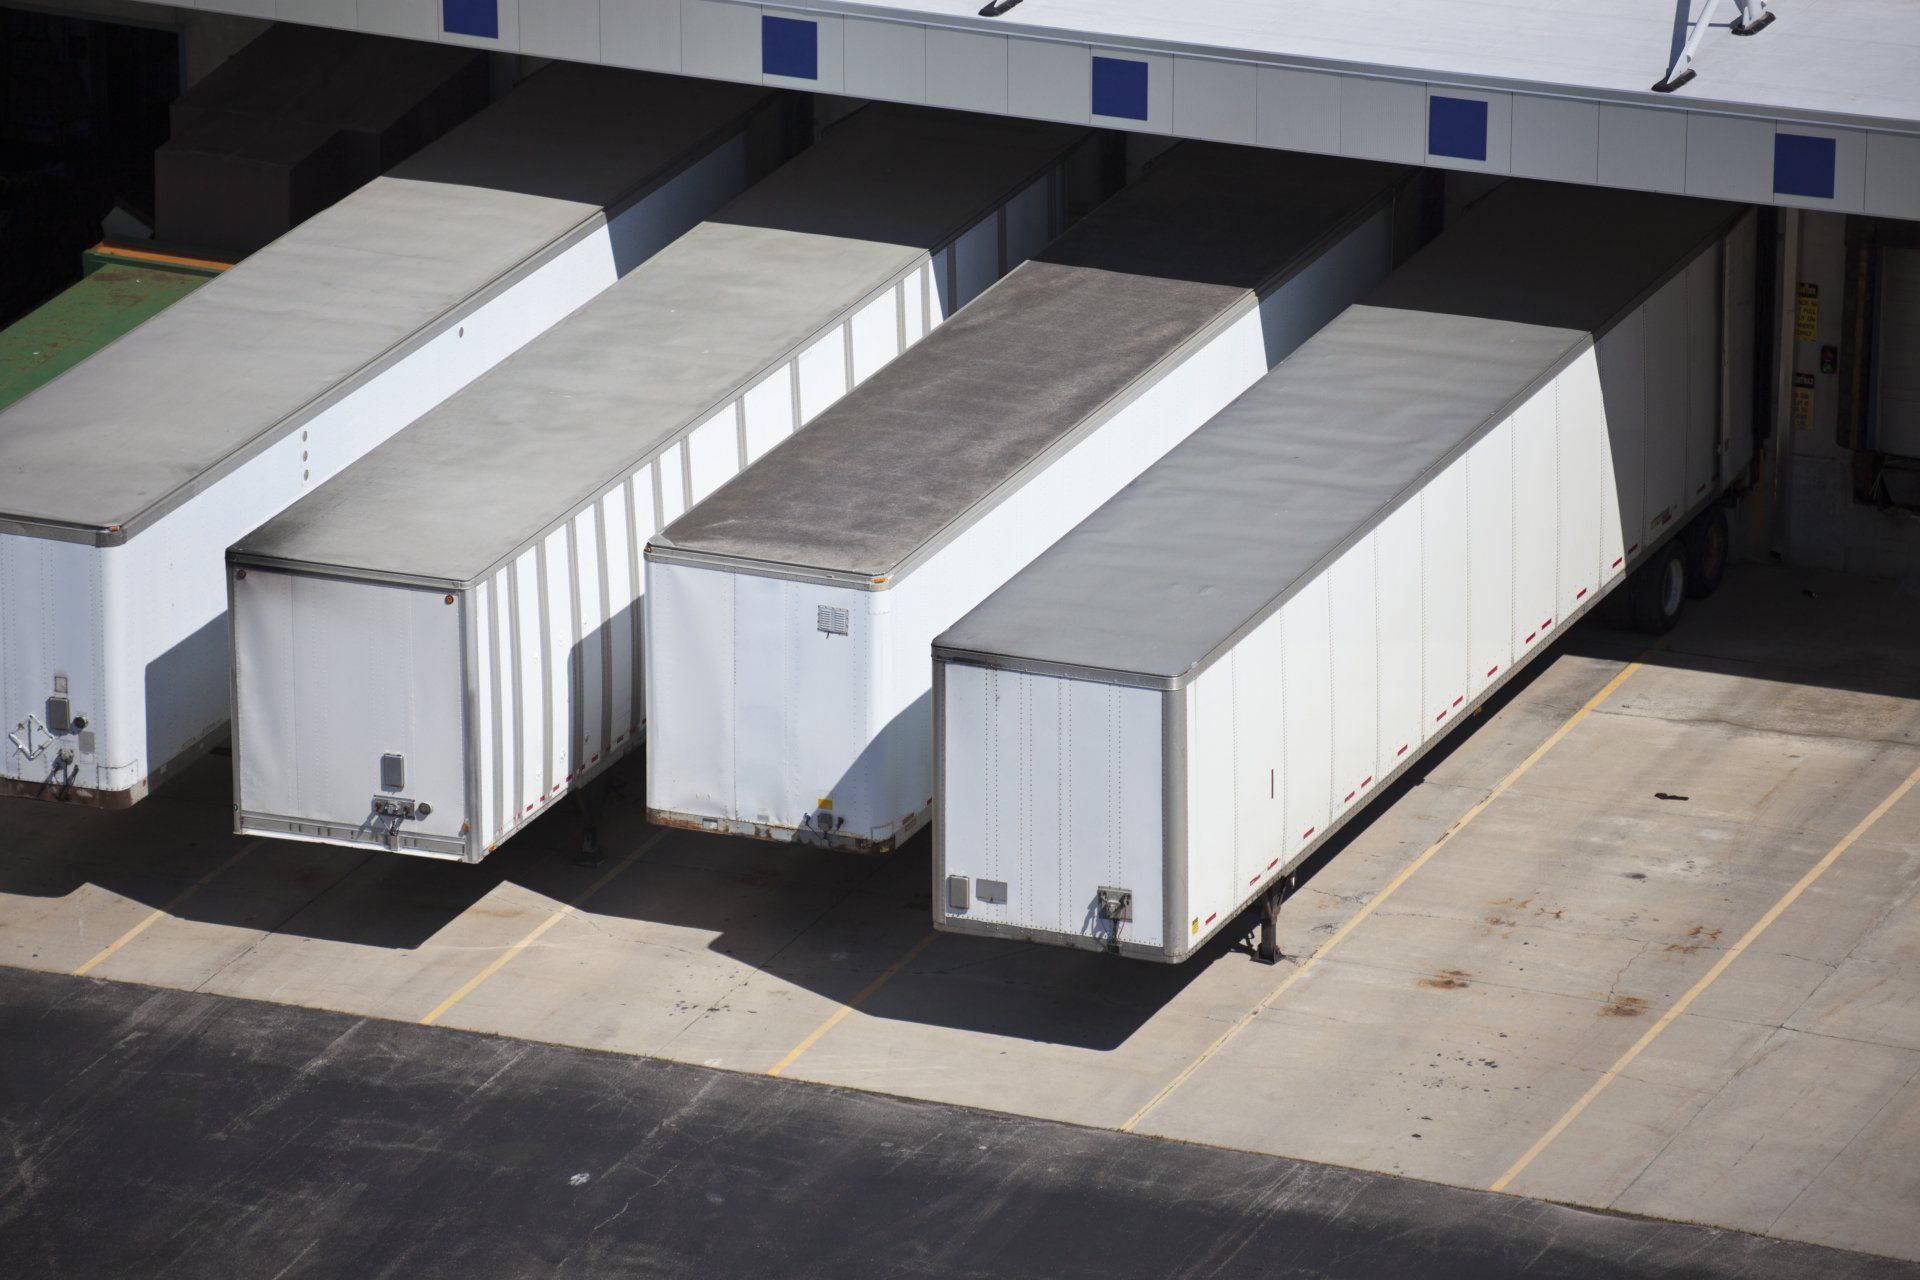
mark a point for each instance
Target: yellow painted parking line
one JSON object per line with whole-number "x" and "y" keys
{"x": 165, "y": 910}
{"x": 1732, "y": 953}
{"x": 866, "y": 993}
{"x": 539, "y": 931}
{"x": 1319, "y": 953}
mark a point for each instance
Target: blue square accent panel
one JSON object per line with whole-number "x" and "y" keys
{"x": 789, "y": 47}
{"x": 1456, "y": 127}
{"x": 471, "y": 18}
{"x": 1803, "y": 166}
{"x": 1120, "y": 88}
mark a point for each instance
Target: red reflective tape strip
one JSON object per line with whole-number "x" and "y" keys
{"x": 1531, "y": 635}
{"x": 1442, "y": 716}
{"x": 1310, "y": 831}
{"x": 1582, "y": 592}
{"x": 1210, "y": 919}
{"x": 1403, "y": 749}
{"x": 1254, "y": 880}
{"x": 1617, "y": 562}
{"x": 622, "y": 738}
{"x": 1546, "y": 624}
{"x": 1273, "y": 864}
{"x": 1495, "y": 667}
{"x": 1697, "y": 492}
{"x": 528, "y": 809}
{"x": 1368, "y": 782}
{"x": 1462, "y": 698}
{"x": 1635, "y": 547}
{"x": 1351, "y": 795}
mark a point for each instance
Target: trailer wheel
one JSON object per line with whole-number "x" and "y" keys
{"x": 1707, "y": 543}
{"x": 1658, "y": 591}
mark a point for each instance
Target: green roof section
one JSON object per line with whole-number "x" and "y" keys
{"x": 123, "y": 288}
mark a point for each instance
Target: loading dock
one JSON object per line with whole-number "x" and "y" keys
{"x": 1481, "y": 984}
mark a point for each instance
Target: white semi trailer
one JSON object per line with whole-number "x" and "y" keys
{"x": 1153, "y": 725}
{"x": 443, "y": 641}
{"x": 788, "y": 617}
{"x": 123, "y": 481}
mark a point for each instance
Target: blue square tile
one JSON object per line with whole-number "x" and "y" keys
{"x": 789, "y": 47}
{"x": 1120, "y": 88}
{"x": 1456, "y": 127}
{"x": 470, "y": 18}
{"x": 1803, "y": 166}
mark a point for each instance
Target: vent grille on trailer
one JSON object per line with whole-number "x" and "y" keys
{"x": 832, "y": 620}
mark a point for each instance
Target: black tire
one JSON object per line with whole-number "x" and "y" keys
{"x": 1658, "y": 592}
{"x": 1708, "y": 543}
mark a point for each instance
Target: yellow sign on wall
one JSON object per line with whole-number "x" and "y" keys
{"x": 1806, "y": 314}
{"x": 1803, "y": 402}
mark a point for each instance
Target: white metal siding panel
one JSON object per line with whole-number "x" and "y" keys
{"x": 567, "y": 29}
{"x": 885, "y": 60}
{"x": 1444, "y": 594}
{"x": 1353, "y": 650}
{"x": 644, "y": 34}
{"x": 1216, "y": 848}
{"x": 875, "y": 330}
{"x": 1214, "y": 100}
{"x": 1047, "y": 80}
{"x": 966, "y": 71}
{"x": 1397, "y": 563}
{"x": 720, "y": 40}
{"x": 587, "y": 705}
{"x": 623, "y": 621}
{"x": 1259, "y": 725}
{"x": 555, "y": 590}
{"x": 499, "y": 659}
{"x": 822, "y": 372}
{"x": 1622, "y": 369}
{"x": 1557, "y": 139}
{"x": 1297, "y": 110}
{"x": 1702, "y": 285}
{"x": 408, "y": 19}
{"x": 530, "y": 783}
{"x": 769, "y": 410}
{"x": 1644, "y": 148}
{"x": 476, "y": 612}
{"x": 1729, "y": 158}
{"x": 1664, "y": 359}
{"x": 1586, "y": 474}
{"x": 1536, "y": 510}
{"x": 1893, "y": 175}
{"x": 1383, "y": 120}
{"x": 1490, "y": 484}
{"x": 1306, "y": 673}
{"x": 713, "y": 451}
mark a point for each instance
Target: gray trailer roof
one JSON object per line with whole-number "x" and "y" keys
{"x": 152, "y": 419}
{"x": 1216, "y": 535}
{"x": 932, "y": 442}
{"x": 486, "y": 473}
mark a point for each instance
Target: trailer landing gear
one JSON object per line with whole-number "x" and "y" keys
{"x": 1267, "y": 950}
{"x": 589, "y": 855}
